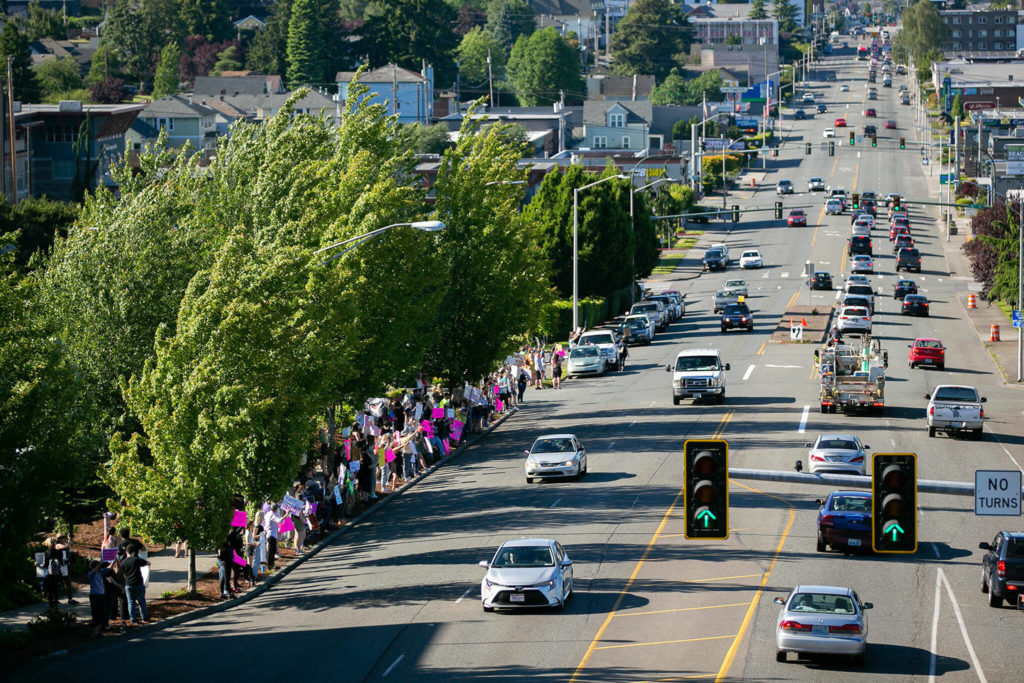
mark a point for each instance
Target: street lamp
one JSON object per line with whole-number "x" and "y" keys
{"x": 575, "y": 245}
{"x": 425, "y": 226}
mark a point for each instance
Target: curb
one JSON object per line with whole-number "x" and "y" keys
{"x": 275, "y": 578}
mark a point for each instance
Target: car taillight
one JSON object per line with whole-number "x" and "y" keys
{"x": 815, "y": 456}
{"x": 867, "y": 318}
{"x": 982, "y": 413}
{"x": 845, "y": 628}
{"x": 857, "y": 458}
{"x": 827, "y": 520}
{"x": 924, "y": 303}
{"x": 1001, "y": 568}
{"x": 790, "y": 625}
{"x": 843, "y": 317}
{"x": 931, "y": 411}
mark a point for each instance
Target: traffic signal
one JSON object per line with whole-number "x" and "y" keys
{"x": 807, "y": 148}
{"x": 706, "y": 488}
{"x": 874, "y": 141}
{"x": 856, "y": 201}
{"x": 735, "y": 213}
{"x": 894, "y": 502}
{"x": 852, "y": 136}
{"x": 903, "y": 143}
{"x": 778, "y": 210}
{"x": 897, "y": 203}
{"x": 831, "y": 148}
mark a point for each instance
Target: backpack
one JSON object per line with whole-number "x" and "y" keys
{"x": 53, "y": 566}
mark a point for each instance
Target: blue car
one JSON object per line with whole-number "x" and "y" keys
{"x": 844, "y": 521}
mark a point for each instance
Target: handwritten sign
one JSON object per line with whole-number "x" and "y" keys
{"x": 337, "y": 495}
{"x": 108, "y": 554}
{"x": 437, "y": 413}
{"x": 292, "y": 505}
{"x": 457, "y": 430}
{"x": 418, "y": 413}
{"x": 449, "y": 413}
{"x": 239, "y": 519}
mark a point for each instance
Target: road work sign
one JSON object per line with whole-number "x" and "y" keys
{"x": 997, "y": 492}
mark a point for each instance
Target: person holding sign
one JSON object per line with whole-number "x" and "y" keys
{"x": 135, "y": 584}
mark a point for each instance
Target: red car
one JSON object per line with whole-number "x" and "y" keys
{"x": 869, "y": 112}
{"x": 927, "y": 352}
{"x": 840, "y": 122}
{"x": 797, "y": 217}
{"x": 891, "y": 123}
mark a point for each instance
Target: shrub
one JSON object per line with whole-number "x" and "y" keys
{"x": 555, "y": 320}
{"x": 53, "y": 624}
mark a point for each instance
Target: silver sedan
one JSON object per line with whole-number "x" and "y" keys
{"x": 530, "y": 572}
{"x": 826, "y": 620}
{"x": 556, "y": 456}
{"x": 585, "y": 360}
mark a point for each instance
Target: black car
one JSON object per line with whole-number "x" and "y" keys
{"x": 714, "y": 259}
{"x": 800, "y": 115}
{"x": 903, "y": 288}
{"x": 821, "y": 280}
{"x": 860, "y": 244}
{"x": 870, "y": 130}
{"x": 637, "y": 333}
{"x": 915, "y": 304}
{"x": 902, "y": 241}
{"x": 868, "y": 196}
{"x": 869, "y": 207}
{"x": 822, "y": 109}
{"x": 1002, "y": 568}
{"x": 908, "y": 259}
{"x": 737, "y": 315}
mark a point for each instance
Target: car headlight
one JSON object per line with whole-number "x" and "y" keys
{"x": 716, "y": 382}
{"x": 678, "y": 383}
{"x": 569, "y": 463}
{"x": 488, "y": 583}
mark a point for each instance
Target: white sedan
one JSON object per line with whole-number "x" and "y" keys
{"x": 530, "y": 572}
{"x": 556, "y": 456}
{"x": 837, "y": 453}
{"x": 854, "y": 319}
{"x": 827, "y": 620}
{"x": 844, "y": 88}
{"x": 829, "y": 133}
{"x": 738, "y": 286}
{"x": 751, "y": 258}
{"x": 861, "y": 263}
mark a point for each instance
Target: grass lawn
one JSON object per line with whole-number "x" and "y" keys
{"x": 668, "y": 263}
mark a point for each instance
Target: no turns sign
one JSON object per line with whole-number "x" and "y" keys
{"x": 997, "y": 492}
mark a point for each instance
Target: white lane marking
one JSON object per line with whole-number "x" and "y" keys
{"x": 1007, "y": 452}
{"x": 769, "y": 365}
{"x": 632, "y": 423}
{"x": 555, "y": 504}
{"x": 765, "y": 276}
{"x": 803, "y": 420}
{"x": 746, "y": 375}
{"x": 892, "y": 442}
{"x": 465, "y": 595}
{"x": 652, "y": 403}
{"x": 611, "y": 445}
{"x": 963, "y": 628}
{"x": 393, "y": 665}
{"x": 784, "y": 275}
{"x": 935, "y": 630}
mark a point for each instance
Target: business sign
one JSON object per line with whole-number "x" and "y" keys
{"x": 748, "y": 121}
{"x": 733, "y": 89}
{"x": 997, "y": 493}
{"x": 1014, "y": 159}
{"x": 947, "y": 88}
{"x": 715, "y": 143}
{"x": 979, "y": 104}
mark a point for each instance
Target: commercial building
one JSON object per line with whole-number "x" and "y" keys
{"x": 973, "y": 31}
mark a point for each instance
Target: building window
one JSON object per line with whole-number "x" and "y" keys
{"x": 970, "y": 34}
{"x": 625, "y": 142}
{"x": 999, "y": 20}
{"x": 616, "y": 120}
{"x": 600, "y": 142}
{"x": 982, "y": 20}
{"x": 998, "y": 33}
{"x": 62, "y": 169}
{"x": 983, "y": 34}
{"x": 997, "y": 45}
{"x": 955, "y": 34}
{"x": 956, "y": 20}
{"x": 956, "y": 46}
{"x": 167, "y": 124}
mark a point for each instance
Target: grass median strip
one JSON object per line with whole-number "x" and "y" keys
{"x": 670, "y": 261}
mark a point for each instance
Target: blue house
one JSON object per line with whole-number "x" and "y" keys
{"x": 408, "y": 94}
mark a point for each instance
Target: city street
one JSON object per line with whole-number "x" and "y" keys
{"x": 398, "y": 598}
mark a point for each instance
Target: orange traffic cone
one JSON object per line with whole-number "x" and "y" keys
{"x": 994, "y": 333}
{"x": 972, "y": 301}
{"x": 803, "y": 321}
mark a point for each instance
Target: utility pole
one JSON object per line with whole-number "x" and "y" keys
{"x": 490, "y": 81}
{"x": 10, "y": 121}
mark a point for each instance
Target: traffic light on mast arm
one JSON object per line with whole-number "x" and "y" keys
{"x": 706, "y": 488}
{"x": 894, "y": 502}
{"x": 852, "y": 137}
{"x": 903, "y": 143}
{"x": 874, "y": 141}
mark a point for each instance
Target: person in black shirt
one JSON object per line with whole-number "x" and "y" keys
{"x": 128, "y": 542}
{"x": 134, "y": 585}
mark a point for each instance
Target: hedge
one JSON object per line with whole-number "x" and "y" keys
{"x": 555, "y": 321}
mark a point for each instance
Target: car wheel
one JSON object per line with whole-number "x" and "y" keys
{"x": 721, "y": 397}
{"x": 723, "y": 330}
{"x": 941, "y": 366}
{"x": 993, "y": 599}
{"x": 976, "y": 434}
{"x": 984, "y": 583}
{"x": 529, "y": 480}
{"x": 821, "y": 543}
{"x": 675, "y": 400}
{"x": 931, "y": 431}
{"x": 911, "y": 364}
{"x": 824, "y": 408}
{"x": 584, "y": 472}
{"x": 780, "y": 656}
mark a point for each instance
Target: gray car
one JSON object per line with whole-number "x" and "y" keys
{"x": 556, "y": 456}
{"x": 822, "y": 620}
{"x": 529, "y": 572}
{"x": 585, "y": 360}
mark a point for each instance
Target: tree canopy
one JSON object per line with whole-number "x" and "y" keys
{"x": 652, "y": 38}
{"x": 543, "y": 67}
{"x": 923, "y": 30}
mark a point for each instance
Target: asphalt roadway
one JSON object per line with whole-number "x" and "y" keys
{"x": 397, "y": 598}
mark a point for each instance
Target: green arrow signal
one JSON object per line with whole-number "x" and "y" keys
{"x": 705, "y": 514}
{"x": 895, "y": 528}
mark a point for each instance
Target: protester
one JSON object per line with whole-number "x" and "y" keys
{"x": 272, "y": 521}
{"x": 134, "y": 584}
{"x": 127, "y": 542}
{"x": 521, "y": 385}
{"x": 98, "y": 571}
{"x": 53, "y": 568}
{"x": 556, "y": 371}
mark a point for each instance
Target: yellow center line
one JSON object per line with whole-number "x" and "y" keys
{"x": 792, "y": 299}
{"x": 760, "y": 351}
{"x": 842, "y": 266}
{"x": 856, "y": 172}
{"x": 663, "y": 642}
{"x": 723, "y": 578}
{"x": 636, "y": 570}
{"x": 734, "y": 647}
{"x": 680, "y": 609}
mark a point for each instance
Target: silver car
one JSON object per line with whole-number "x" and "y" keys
{"x": 585, "y": 360}
{"x": 826, "y": 620}
{"x": 837, "y": 453}
{"x": 530, "y": 572}
{"x": 556, "y": 456}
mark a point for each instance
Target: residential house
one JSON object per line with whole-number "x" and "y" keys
{"x": 618, "y": 125}
{"x": 244, "y": 83}
{"x": 315, "y": 103}
{"x": 184, "y": 120}
{"x": 48, "y": 48}
{"x": 612, "y": 87}
{"x": 71, "y": 7}
{"x": 748, "y": 63}
{"x": 407, "y": 94}
{"x": 548, "y": 129}
{"x": 585, "y": 18}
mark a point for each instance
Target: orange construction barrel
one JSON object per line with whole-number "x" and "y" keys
{"x": 972, "y": 301}
{"x": 994, "y": 333}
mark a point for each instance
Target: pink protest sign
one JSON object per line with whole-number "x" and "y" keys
{"x": 437, "y": 413}
{"x": 428, "y": 429}
{"x": 389, "y": 455}
{"x": 239, "y": 560}
{"x": 497, "y": 390}
{"x": 348, "y": 449}
{"x": 447, "y": 448}
{"x": 239, "y": 518}
{"x": 286, "y": 525}
{"x": 500, "y": 405}
{"x": 108, "y": 554}
{"x": 457, "y": 430}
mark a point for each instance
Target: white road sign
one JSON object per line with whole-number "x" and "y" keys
{"x": 1014, "y": 159}
{"x": 997, "y": 492}
{"x": 796, "y": 333}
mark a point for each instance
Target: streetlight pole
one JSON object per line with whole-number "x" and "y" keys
{"x": 425, "y": 226}
{"x": 575, "y": 245}
{"x": 632, "y": 229}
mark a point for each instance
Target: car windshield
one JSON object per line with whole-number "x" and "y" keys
{"x": 597, "y": 339}
{"x": 822, "y": 603}
{"x": 966, "y": 394}
{"x": 585, "y": 352}
{"x": 851, "y": 503}
{"x": 905, "y": 283}
{"x": 643, "y": 308}
{"x": 553, "y": 446}
{"x": 754, "y": 254}
{"x": 796, "y": 212}
{"x": 524, "y": 556}
{"x": 713, "y": 253}
{"x": 730, "y": 284}
{"x": 821, "y": 276}
{"x": 840, "y": 444}
{"x": 696, "y": 363}
{"x": 736, "y": 309}
{"x": 928, "y": 344}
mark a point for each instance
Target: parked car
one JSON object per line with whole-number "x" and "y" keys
{"x": 606, "y": 341}
{"x": 1002, "y": 568}
{"x": 644, "y": 320}
{"x": 638, "y": 331}
{"x": 654, "y": 309}
{"x": 928, "y": 352}
{"x": 796, "y": 217}
{"x": 585, "y": 360}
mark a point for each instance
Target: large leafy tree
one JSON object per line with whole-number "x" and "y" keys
{"x": 34, "y": 222}
{"x": 785, "y": 12}
{"x": 210, "y": 18}
{"x": 14, "y": 43}
{"x": 136, "y": 31}
{"x": 268, "y": 51}
{"x": 509, "y": 19}
{"x": 407, "y": 32}
{"x": 44, "y": 23}
{"x": 543, "y": 67}
{"x": 304, "y": 65}
{"x": 923, "y": 30}
{"x": 58, "y": 77}
{"x": 677, "y": 89}
{"x": 165, "y": 82}
{"x": 757, "y": 10}
{"x": 473, "y": 52}
{"x": 652, "y": 38}
{"x": 494, "y": 299}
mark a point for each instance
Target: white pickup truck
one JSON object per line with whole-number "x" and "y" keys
{"x": 953, "y": 408}
{"x": 698, "y": 373}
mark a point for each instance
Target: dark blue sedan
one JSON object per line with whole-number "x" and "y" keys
{"x": 844, "y": 521}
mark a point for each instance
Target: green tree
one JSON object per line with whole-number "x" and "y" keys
{"x": 268, "y": 51}
{"x": 923, "y": 30}
{"x": 757, "y": 10}
{"x": 957, "y": 108}
{"x": 708, "y": 84}
{"x": 473, "y": 51}
{"x": 166, "y": 80}
{"x": 44, "y": 23}
{"x": 58, "y": 77}
{"x": 543, "y": 66}
{"x": 303, "y": 66}
{"x": 652, "y": 38}
{"x": 509, "y": 19}
{"x": 227, "y": 60}
{"x": 209, "y": 18}
{"x": 786, "y": 13}
{"x": 34, "y": 222}
{"x": 672, "y": 90}
{"x": 645, "y": 236}
{"x": 14, "y": 43}
{"x": 421, "y": 139}
{"x": 408, "y": 32}
{"x": 489, "y": 242}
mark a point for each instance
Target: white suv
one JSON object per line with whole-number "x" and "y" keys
{"x": 698, "y": 373}
{"x": 829, "y": 133}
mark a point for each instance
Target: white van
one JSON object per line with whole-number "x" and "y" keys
{"x": 698, "y": 373}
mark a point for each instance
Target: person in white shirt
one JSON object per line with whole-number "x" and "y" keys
{"x": 271, "y": 522}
